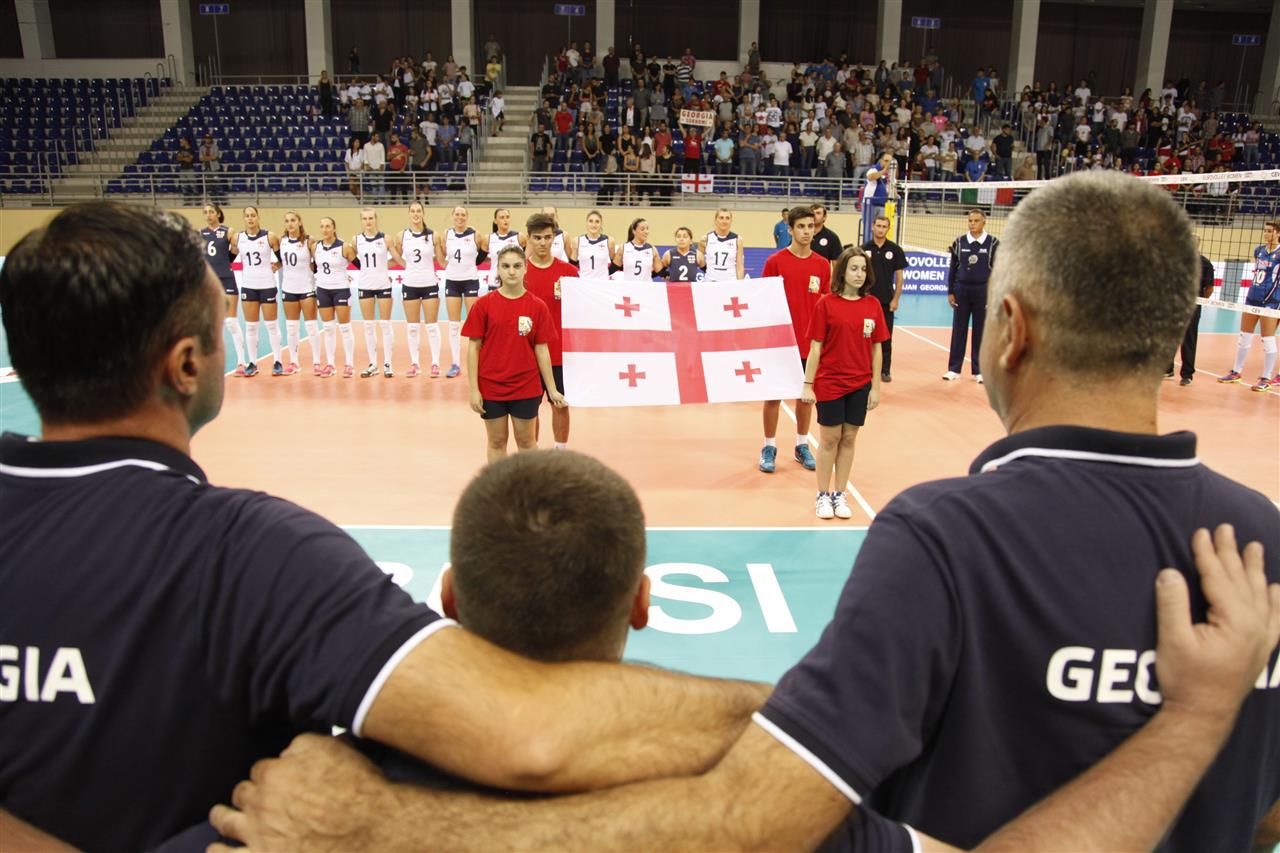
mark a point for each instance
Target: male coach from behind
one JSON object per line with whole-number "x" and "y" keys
{"x": 887, "y": 263}
{"x": 996, "y": 635}
{"x": 158, "y": 634}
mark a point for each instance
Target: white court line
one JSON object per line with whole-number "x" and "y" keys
{"x": 826, "y": 528}
{"x": 857, "y": 495}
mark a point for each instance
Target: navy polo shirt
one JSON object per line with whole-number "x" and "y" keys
{"x": 159, "y": 634}
{"x": 995, "y": 638}
{"x": 971, "y": 260}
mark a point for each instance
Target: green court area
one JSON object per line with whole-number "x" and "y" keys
{"x": 737, "y": 603}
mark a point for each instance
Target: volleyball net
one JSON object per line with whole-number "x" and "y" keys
{"x": 1227, "y": 210}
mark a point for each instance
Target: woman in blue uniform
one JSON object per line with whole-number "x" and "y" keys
{"x": 217, "y": 251}
{"x": 685, "y": 262}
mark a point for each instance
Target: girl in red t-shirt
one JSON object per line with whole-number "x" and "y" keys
{"x": 508, "y": 360}
{"x": 842, "y": 373}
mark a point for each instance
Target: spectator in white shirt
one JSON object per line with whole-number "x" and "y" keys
{"x": 375, "y": 161}
{"x": 825, "y": 145}
{"x": 782, "y": 156}
{"x": 466, "y": 88}
{"x": 1083, "y": 93}
{"x": 929, "y": 151}
{"x": 976, "y": 144}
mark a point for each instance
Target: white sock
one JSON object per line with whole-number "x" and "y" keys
{"x": 331, "y": 341}
{"x": 388, "y": 340}
{"x": 317, "y": 347}
{"x": 1269, "y": 357}
{"x": 433, "y": 338}
{"x": 251, "y": 341}
{"x": 348, "y": 343}
{"x": 801, "y": 441}
{"x": 771, "y": 442}
{"x": 291, "y": 339}
{"x": 273, "y": 338}
{"x": 455, "y": 341}
{"x": 1242, "y": 350}
{"x": 232, "y": 326}
{"x": 414, "y": 335}
{"x": 562, "y": 445}
{"x": 371, "y": 341}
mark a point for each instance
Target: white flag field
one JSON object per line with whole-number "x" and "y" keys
{"x": 643, "y": 343}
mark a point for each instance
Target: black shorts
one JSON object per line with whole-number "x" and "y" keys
{"x": 470, "y": 288}
{"x": 298, "y": 297}
{"x": 256, "y": 294}
{"x": 849, "y": 409}
{"x": 411, "y": 293}
{"x": 229, "y": 286}
{"x": 525, "y": 410}
{"x": 557, "y": 374}
{"x": 375, "y": 294}
{"x": 327, "y": 298}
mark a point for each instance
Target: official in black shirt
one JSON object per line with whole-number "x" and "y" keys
{"x": 825, "y": 241}
{"x": 1191, "y": 338}
{"x": 159, "y": 634}
{"x": 973, "y": 256}
{"x": 887, "y": 263}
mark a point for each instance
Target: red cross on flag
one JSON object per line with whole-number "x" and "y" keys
{"x": 637, "y": 343}
{"x": 697, "y": 183}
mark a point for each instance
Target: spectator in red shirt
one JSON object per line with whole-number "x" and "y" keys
{"x": 510, "y": 330}
{"x": 806, "y": 277}
{"x": 542, "y": 275}
{"x": 397, "y": 163}
{"x": 842, "y": 374}
{"x": 661, "y": 139}
{"x": 564, "y": 127}
{"x": 692, "y": 151}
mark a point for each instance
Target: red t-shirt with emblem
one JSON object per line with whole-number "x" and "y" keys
{"x": 805, "y": 280}
{"x": 849, "y": 330}
{"x": 545, "y": 284}
{"x": 509, "y": 329}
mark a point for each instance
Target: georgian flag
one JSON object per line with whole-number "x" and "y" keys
{"x": 639, "y": 343}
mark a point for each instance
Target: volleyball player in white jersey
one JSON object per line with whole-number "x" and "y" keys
{"x": 561, "y": 240}
{"x": 217, "y": 248}
{"x": 457, "y": 249}
{"x": 255, "y": 249}
{"x": 501, "y": 237}
{"x": 373, "y": 252}
{"x": 639, "y": 261}
{"x": 421, "y": 291}
{"x": 723, "y": 248}
{"x": 299, "y": 284}
{"x": 333, "y": 296}
{"x": 593, "y": 251}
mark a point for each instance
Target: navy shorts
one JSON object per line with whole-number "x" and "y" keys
{"x": 327, "y": 298}
{"x": 411, "y": 293}
{"x": 375, "y": 294}
{"x": 470, "y": 288}
{"x": 557, "y": 374}
{"x": 229, "y": 286}
{"x": 849, "y": 409}
{"x": 1258, "y": 303}
{"x": 256, "y": 294}
{"x": 298, "y": 297}
{"x": 525, "y": 410}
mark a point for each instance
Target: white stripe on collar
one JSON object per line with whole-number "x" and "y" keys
{"x": 1089, "y": 456}
{"x": 86, "y": 470}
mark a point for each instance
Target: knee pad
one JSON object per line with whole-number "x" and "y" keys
{"x": 1269, "y": 344}
{"x": 1246, "y": 339}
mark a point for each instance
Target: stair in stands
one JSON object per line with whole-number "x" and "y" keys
{"x": 498, "y": 172}
{"x": 126, "y": 142}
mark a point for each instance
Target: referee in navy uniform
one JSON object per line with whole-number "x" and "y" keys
{"x": 1187, "y": 350}
{"x": 159, "y": 634}
{"x": 973, "y": 256}
{"x": 825, "y": 241}
{"x": 887, "y": 263}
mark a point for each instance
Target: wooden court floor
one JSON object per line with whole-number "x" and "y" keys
{"x": 399, "y": 451}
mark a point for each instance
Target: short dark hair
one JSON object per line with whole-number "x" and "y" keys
{"x": 93, "y": 298}
{"x": 1112, "y": 300}
{"x": 548, "y": 548}
{"x": 795, "y": 214}
{"x": 539, "y": 222}
{"x": 842, "y": 266}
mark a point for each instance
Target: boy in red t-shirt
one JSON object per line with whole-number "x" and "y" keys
{"x": 542, "y": 276}
{"x": 510, "y": 330}
{"x": 843, "y": 372}
{"x": 806, "y": 277}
